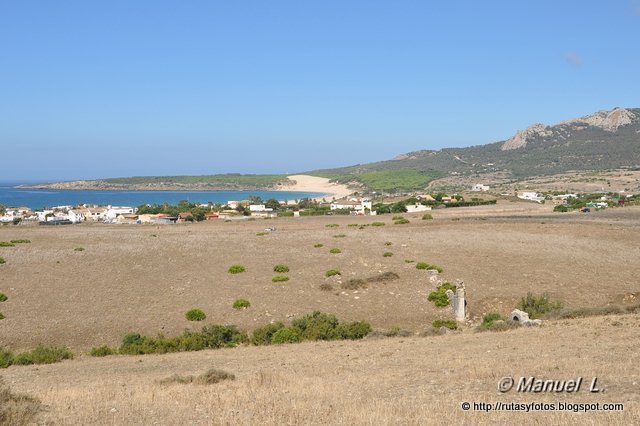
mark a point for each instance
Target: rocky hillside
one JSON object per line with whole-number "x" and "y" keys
{"x": 603, "y": 140}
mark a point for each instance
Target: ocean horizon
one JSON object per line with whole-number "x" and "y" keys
{"x": 11, "y": 196}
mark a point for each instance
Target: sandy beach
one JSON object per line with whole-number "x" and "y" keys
{"x": 306, "y": 183}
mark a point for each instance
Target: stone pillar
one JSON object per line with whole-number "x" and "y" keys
{"x": 458, "y": 301}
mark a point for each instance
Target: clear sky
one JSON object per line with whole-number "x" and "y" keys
{"x": 119, "y": 88}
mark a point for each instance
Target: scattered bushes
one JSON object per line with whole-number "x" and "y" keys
{"x": 339, "y": 236}
{"x": 387, "y": 254}
{"x": 280, "y": 278}
{"x": 561, "y": 208}
{"x": 318, "y": 245}
{"x": 422, "y": 265}
{"x": 20, "y": 241}
{"x": 388, "y": 243}
{"x": 409, "y": 261}
{"x": 332, "y": 272}
{"x": 286, "y": 335}
{"x": 6, "y": 357}
{"x": 3, "y": 297}
{"x": 195, "y": 315}
{"x": 450, "y": 324}
{"x": 427, "y": 216}
{"x": 103, "y": 350}
{"x": 536, "y": 306}
{"x": 320, "y": 326}
{"x": 402, "y": 221}
{"x": 260, "y": 234}
{"x": 377, "y": 224}
{"x": 43, "y": 355}
{"x": 281, "y": 268}
{"x": 241, "y": 304}
{"x": 237, "y": 269}
{"x": 590, "y": 312}
{"x": 397, "y": 218}
{"x": 335, "y": 251}
{"x": 6, "y": 244}
{"x": 332, "y": 225}
{"x": 78, "y": 249}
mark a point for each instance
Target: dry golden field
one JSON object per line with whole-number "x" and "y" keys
{"x": 143, "y": 279}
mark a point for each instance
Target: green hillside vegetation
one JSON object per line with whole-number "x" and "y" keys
{"x": 230, "y": 180}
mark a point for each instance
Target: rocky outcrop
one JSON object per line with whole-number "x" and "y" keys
{"x": 609, "y": 120}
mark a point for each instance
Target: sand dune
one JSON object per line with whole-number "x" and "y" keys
{"x": 306, "y": 183}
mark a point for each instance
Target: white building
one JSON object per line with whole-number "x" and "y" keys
{"x": 76, "y": 216}
{"x": 359, "y": 207}
{"x": 113, "y": 212}
{"x": 259, "y": 208}
{"x": 531, "y": 196}
{"x": 478, "y": 187}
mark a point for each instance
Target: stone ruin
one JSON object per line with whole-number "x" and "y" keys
{"x": 523, "y": 318}
{"x": 458, "y": 301}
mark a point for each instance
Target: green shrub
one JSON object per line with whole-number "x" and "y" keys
{"x": 2, "y": 316}
{"x": 332, "y": 225}
{"x": 450, "y": 324}
{"x": 195, "y": 315}
{"x": 561, "y": 208}
{"x": 422, "y": 265}
{"x": 439, "y": 297}
{"x": 318, "y": 245}
{"x": 332, "y": 272}
{"x": 236, "y": 269}
{"x": 339, "y": 236}
{"x": 536, "y": 306}
{"x": 286, "y": 335}
{"x": 490, "y": 318}
{"x": 388, "y": 243}
{"x": 387, "y": 254}
{"x": 3, "y": 297}
{"x": 103, "y": 350}
{"x": 280, "y": 278}
{"x": 281, "y": 268}
{"x": 353, "y": 330}
{"x": 260, "y": 234}
{"x": 6, "y": 244}
{"x": 6, "y": 357}
{"x": 78, "y": 249}
{"x": 263, "y": 335}
{"x": 241, "y": 304}
{"x": 335, "y": 251}
{"x": 377, "y": 224}
{"x": 20, "y": 241}
{"x": 427, "y": 216}
{"x": 2, "y": 261}
{"x": 427, "y": 266}
{"x": 43, "y": 355}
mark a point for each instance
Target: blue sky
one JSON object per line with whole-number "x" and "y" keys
{"x": 121, "y": 88}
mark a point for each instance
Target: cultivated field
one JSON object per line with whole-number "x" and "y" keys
{"x": 144, "y": 278}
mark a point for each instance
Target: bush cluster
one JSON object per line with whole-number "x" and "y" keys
{"x": 429, "y": 267}
{"x": 6, "y": 244}
{"x": 387, "y": 254}
{"x": 339, "y": 236}
{"x": 450, "y": 324}
{"x": 335, "y": 251}
{"x": 3, "y": 297}
{"x": 211, "y": 336}
{"x": 2, "y": 261}
{"x": 402, "y": 221}
{"x": 40, "y": 355}
{"x": 536, "y": 306}
{"x": 280, "y": 278}
{"x": 427, "y": 216}
{"x": 489, "y": 319}
{"x": 377, "y": 224}
{"x": 318, "y": 245}
{"x": 78, "y": 249}
{"x": 20, "y": 241}
{"x": 439, "y": 297}
{"x": 332, "y": 225}
{"x": 281, "y": 268}
{"x": 103, "y": 350}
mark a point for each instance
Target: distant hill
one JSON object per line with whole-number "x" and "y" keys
{"x": 603, "y": 140}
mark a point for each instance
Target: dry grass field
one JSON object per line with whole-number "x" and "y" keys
{"x": 143, "y": 278}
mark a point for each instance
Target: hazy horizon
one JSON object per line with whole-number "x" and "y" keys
{"x": 154, "y": 88}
